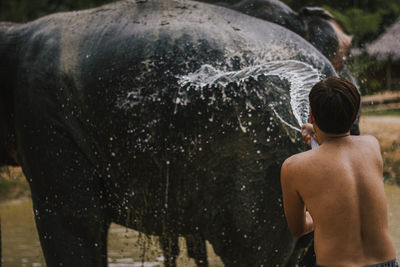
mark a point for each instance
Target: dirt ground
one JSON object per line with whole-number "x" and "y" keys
{"x": 387, "y": 130}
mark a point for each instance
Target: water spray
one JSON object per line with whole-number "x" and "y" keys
{"x": 300, "y": 76}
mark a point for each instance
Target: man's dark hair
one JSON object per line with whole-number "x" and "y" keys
{"x": 334, "y": 103}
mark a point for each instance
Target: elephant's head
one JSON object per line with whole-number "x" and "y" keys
{"x": 312, "y": 23}
{"x": 8, "y": 154}
{"x": 326, "y": 35}
{"x": 273, "y": 11}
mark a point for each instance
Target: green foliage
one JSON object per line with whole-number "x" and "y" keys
{"x": 27, "y": 10}
{"x": 368, "y": 72}
{"x": 364, "y": 26}
{"x": 366, "y": 5}
{"x": 388, "y": 112}
{"x": 364, "y": 19}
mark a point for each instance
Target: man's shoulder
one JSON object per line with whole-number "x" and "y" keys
{"x": 297, "y": 162}
{"x": 294, "y": 169}
{"x": 301, "y": 157}
{"x": 368, "y": 141}
{"x": 369, "y": 138}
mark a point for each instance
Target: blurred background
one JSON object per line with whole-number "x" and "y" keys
{"x": 374, "y": 61}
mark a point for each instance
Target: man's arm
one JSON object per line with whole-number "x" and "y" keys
{"x": 299, "y": 220}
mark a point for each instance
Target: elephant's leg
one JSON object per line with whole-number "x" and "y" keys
{"x": 69, "y": 203}
{"x": 70, "y": 241}
{"x": 196, "y": 247}
{"x": 170, "y": 246}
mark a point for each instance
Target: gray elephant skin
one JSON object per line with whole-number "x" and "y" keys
{"x": 95, "y": 109}
{"x": 314, "y": 24}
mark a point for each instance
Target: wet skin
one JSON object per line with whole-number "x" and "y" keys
{"x": 341, "y": 185}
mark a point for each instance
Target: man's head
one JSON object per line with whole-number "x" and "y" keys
{"x": 334, "y": 104}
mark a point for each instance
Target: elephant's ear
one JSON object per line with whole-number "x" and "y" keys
{"x": 315, "y": 11}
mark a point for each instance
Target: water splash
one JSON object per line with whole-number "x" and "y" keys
{"x": 284, "y": 122}
{"x": 301, "y": 77}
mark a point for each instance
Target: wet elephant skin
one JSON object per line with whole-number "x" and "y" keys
{"x": 105, "y": 131}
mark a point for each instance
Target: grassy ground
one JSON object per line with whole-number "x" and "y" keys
{"x": 384, "y": 97}
{"x": 382, "y": 104}
{"x": 387, "y": 130}
{"x": 13, "y": 184}
{"x": 389, "y": 112}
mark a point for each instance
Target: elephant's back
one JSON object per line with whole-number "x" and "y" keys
{"x": 122, "y": 64}
{"x": 143, "y": 28}
{"x": 119, "y": 68}
{"x": 89, "y": 45}
{"x": 121, "y": 45}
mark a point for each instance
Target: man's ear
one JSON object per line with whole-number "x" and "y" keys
{"x": 312, "y": 119}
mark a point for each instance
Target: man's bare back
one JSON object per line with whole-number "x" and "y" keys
{"x": 341, "y": 184}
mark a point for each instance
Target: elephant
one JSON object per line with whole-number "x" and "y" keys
{"x": 314, "y": 24}
{"x": 170, "y": 117}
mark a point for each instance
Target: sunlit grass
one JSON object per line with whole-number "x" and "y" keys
{"x": 387, "y": 130}
{"x": 389, "y": 112}
{"x": 12, "y": 184}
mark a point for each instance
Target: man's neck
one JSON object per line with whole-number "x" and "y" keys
{"x": 323, "y": 137}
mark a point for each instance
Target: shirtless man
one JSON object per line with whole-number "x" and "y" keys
{"x": 337, "y": 189}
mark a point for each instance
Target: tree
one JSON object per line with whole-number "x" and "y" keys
{"x": 364, "y": 19}
{"x": 27, "y": 10}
